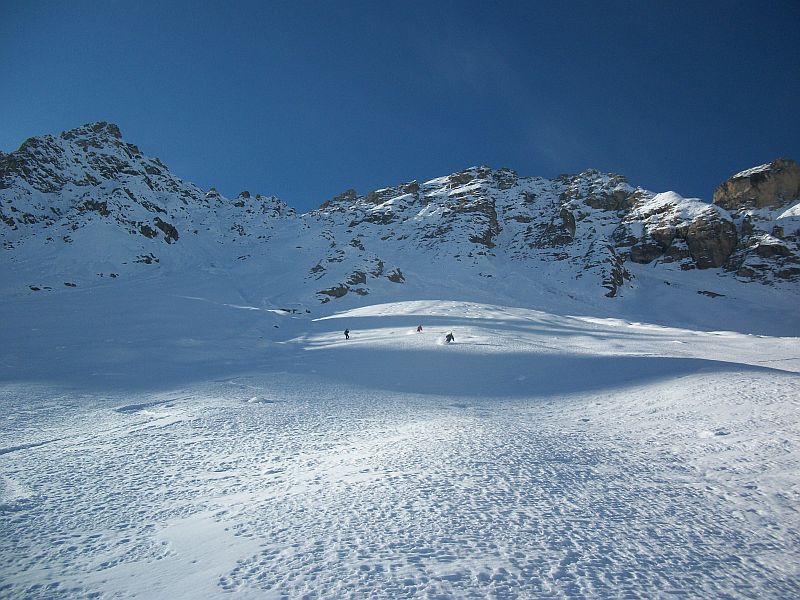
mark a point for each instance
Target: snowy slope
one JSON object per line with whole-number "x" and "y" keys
{"x": 86, "y": 207}
{"x": 183, "y": 418}
{"x": 182, "y": 452}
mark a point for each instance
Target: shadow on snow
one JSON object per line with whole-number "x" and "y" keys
{"x": 449, "y": 373}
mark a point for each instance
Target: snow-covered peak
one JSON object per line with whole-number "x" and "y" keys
{"x": 94, "y": 131}
{"x": 487, "y": 230}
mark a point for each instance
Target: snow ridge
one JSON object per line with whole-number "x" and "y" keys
{"x": 85, "y": 207}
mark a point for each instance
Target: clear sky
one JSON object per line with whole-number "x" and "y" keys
{"x": 306, "y": 99}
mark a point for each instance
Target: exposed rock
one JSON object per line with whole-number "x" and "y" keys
{"x": 771, "y": 249}
{"x": 771, "y": 185}
{"x": 170, "y": 233}
{"x": 98, "y": 129}
{"x": 376, "y": 218}
{"x": 792, "y": 273}
{"x": 147, "y": 259}
{"x": 347, "y": 196}
{"x": 623, "y": 236}
{"x": 677, "y": 228}
{"x": 613, "y": 200}
{"x": 94, "y": 205}
{"x": 678, "y": 251}
{"x": 663, "y": 236}
{"x": 760, "y": 200}
{"x": 474, "y": 221}
{"x": 147, "y": 231}
{"x": 615, "y": 273}
{"x": 567, "y": 221}
{"x": 468, "y": 175}
{"x": 356, "y": 278}
{"x": 378, "y": 270}
{"x": 711, "y": 241}
{"x": 559, "y": 231}
{"x": 644, "y": 252}
{"x": 506, "y": 178}
{"x": 335, "y": 292}
{"x": 396, "y": 276}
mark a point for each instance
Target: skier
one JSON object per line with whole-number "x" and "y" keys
{"x": 347, "y": 334}
{"x": 450, "y": 338}
{"x": 419, "y": 328}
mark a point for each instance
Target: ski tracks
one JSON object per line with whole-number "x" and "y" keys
{"x": 331, "y": 494}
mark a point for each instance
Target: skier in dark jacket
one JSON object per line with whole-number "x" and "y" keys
{"x": 347, "y": 334}
{"x": 450, "y": 338}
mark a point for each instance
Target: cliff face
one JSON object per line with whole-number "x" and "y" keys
{"x": 88, "y": 198}
{"x": 764, "y": 203}
{"x": 772, "y": 185}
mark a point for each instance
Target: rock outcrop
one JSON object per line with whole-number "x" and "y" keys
{"x": 764, "y": 203}
{"x": 670, "y": 228}
{"x": 89, "y": 178}
{"x": 772, "y": 185}
{"x": 90, "y": 191}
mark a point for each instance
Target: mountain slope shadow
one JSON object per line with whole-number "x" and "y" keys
{"x": 450, "y": 373}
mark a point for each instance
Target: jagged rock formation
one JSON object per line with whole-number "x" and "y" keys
{"x": 670, "y": 228}
{"x": 772, "y": 185}
{"x": 69, "y": 187}
{"x": 764, "y": 203}
{"x": 70, "y": 198}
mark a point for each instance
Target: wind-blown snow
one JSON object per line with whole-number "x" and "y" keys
{"x": 163, "y": 440}
{"x": 677, "y": 205}
{"x": 753, "y": 171}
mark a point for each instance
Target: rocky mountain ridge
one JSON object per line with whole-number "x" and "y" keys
{"x": 87, "y": 204}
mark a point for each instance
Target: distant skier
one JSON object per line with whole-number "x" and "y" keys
{"x": 450, "y": 338}
{"x": 347, "y": 334}
{"x": 419, "y": 328}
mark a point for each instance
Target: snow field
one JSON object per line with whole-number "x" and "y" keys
{"x": 540, "y": 456}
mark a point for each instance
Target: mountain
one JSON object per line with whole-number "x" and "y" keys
{"x": 183, "y": 417}
{"x": 85, "y": 206}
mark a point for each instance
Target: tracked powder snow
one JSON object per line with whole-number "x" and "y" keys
{"x": 182, "y": 416}
{"x": 179, "y": 454}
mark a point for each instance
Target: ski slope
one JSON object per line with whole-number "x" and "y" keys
{"x": 161, "y": 442}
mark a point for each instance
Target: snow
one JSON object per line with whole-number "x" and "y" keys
{"x": 791, "y": 212}
{"x": 753, "y": 171}
{"x": 789, "y": 219}
{"x": 685, "y": 209}
{"x": 767, "y": 218}
{"x": 198, "y": 427}
{"x": 175, "y": 438}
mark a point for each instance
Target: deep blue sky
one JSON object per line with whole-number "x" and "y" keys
{"x": 306, "y": 99}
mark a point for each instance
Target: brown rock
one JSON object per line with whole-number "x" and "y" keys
{"x": 357, "y": 277}
{"x": 335, "y": 292}
{"x": 767, "y": 250}
{"x": 711, "y": 241}
{"x": 396, "y": 276}
{"x": 644, "y": 253}
{"x": 772, "y": 185}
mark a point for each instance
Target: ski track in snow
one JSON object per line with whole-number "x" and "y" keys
{"x": 392, "y": 478}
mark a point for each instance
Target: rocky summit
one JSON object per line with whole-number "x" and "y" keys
{"x": 86, "y": 206}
